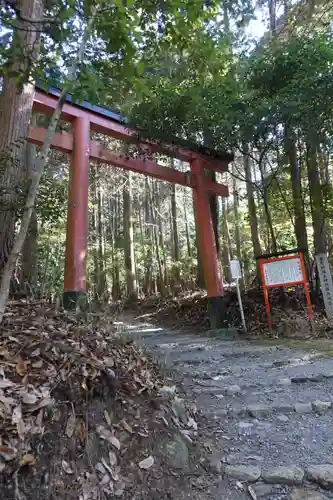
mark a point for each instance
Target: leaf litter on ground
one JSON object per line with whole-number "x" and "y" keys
{"x": 51, "y": 366}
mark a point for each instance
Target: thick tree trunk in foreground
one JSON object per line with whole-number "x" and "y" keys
{"x": 34, "y": 185}
{"x": 15, "y": 111}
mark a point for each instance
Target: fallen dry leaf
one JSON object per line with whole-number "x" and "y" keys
{"x": 7, "y": 453}
{"x": 252, "y": 493}
{"x": 108, "y": 436}
{"x": 99, "y": 467}
{"x": 29, "y": 398}
{"x": 7, "y": 402}
{"x": 37, "y": 364}
{"x": 119, "y": 489}
{"x": 17, "y": 415}
{"x": 109, "y": 362}
{"x": 20, "y": 367}
{"x": 28, "y": 459}
{"x": 70, "y": 426}
{"x": 44, "y": 402}
{"x": 112, "y": 458}
{"x": 5, "y": 383}
{"x": 192, "y": 424}
{"x": 105, "y": 480}
{"x": 127, "y": 427}
{"x": 146, "y": 463}
{"x": 107, "y": 417}
{"x": 66, "y": 467}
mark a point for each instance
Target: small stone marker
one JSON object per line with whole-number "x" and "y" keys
{"x": 326, "y": 282}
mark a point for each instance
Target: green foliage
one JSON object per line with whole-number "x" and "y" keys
{"x": 201, "y": 93}
{"x": 52, "y": 200}
{"x": 50, "y": 258}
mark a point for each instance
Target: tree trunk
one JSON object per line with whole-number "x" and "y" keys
{"x": 148, "y": 286}
{"x": 129, "y": 256}
{"x": 252, "y": 211}
{"x": 318, "y": 222}
{"x": 94, "y": 232}
{"x": 175, "y": 237}
{"x": 268, "y": 216}
{"x": 214, "y": 210}
{"x": 101, "y": 246}
{"x": 187, "y": 233}
{"x": 272, "y": 16}
{"x": 200, "y": 272}
{"x": 28, "y": 278}
{"x": 156, "y": 196}
{"x": 16, "y": 102}
{"x": 226, "y": 254}
{"x": 34, "y": 185}
{"x": 236, "y": 215}
{"x": 295, "y": 174}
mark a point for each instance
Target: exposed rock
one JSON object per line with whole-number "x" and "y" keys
{"x": 284, "y": 475}
{"x": 284, "y": 381}
{"x": 242, "y": 472}
{"x": 321, "y": 405}
{"x": 263, "y": 490}
{"x": 321, "y": 474}
{"x": 301, "y": 494}
{"x": 259, "y": 410}
{"x": 245, "y": 425}
{"x": 233, "y": 390}
{"x": 303, "y": 407}
{"x": 177, "y": 453}
{"x": 215, "y": 465}
{"x": 300, "y": 379}
{"x": 283, "y": 418}
{"x": 283, "y": 408}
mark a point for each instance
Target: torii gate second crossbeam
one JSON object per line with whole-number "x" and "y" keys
{"x": 82, "y": 149}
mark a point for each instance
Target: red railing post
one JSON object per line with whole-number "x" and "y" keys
{"x": 77, "y": 215}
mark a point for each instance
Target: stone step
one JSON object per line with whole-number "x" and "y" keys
{"x": 215, "y": 373}
{"x": 302, "y": 439}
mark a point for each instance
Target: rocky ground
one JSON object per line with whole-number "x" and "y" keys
{"x": 265, "y": 430}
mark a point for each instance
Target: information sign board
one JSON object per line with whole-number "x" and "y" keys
{"x": 282, "y": 272}
{"x": 287, "y": 270}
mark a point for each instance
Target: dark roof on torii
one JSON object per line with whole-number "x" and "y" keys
{"x": 112, "y": 115}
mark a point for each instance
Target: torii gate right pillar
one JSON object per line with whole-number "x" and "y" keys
{"x": 216, "y": 303}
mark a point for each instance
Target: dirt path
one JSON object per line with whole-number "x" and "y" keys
{"x": 268, "y": 411}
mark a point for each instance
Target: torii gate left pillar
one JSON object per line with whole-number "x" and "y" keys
{"x": 77, "y": 216}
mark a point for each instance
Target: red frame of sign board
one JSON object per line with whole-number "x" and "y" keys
{"x": 303, "y": 282}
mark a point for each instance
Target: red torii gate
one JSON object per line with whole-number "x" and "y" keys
{"x": 86, "y": 118}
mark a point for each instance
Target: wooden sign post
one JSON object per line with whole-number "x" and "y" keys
{"x": 287, "y": 270}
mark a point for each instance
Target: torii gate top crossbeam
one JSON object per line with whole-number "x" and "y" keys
{"x": 106, "y": 122}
